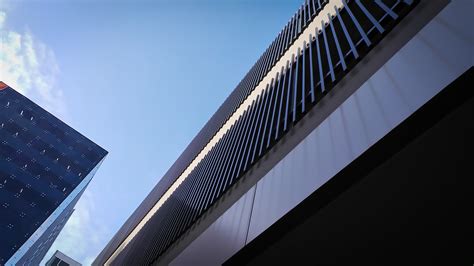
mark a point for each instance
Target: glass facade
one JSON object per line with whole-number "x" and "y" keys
{"x": 42, "y": 161}
{"x": 38, "y": 250}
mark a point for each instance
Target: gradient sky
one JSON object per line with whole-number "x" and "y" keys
{"x": 140, "y": 78}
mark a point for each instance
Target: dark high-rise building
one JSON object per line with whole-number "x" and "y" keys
{"x": 45, "y": 166}
{"x": 348, "y": 142}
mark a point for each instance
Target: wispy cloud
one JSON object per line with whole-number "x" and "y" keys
{"x": 30, "y": 67}
{"x": 82, "y": 234}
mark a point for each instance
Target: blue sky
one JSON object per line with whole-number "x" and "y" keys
{"x": 140, "y": 78}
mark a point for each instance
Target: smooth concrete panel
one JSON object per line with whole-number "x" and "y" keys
{"x": 222, "y": 238}
{"x": 436, "y": 56}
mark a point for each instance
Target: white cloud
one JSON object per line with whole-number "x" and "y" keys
{"x": 30, "y": 67}
{"x": 3, "y": 17}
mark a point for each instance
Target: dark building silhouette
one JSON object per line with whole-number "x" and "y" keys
{"x": 45, "y": 166}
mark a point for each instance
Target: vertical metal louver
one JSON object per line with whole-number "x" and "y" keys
{"x": 334, "y": 49}
{"x": 250, "y": 81}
